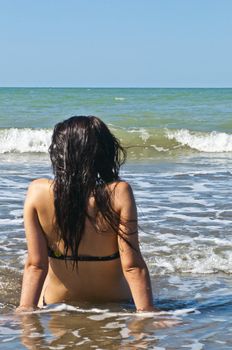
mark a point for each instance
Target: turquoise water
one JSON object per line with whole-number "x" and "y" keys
{"x": 151, "y": 122}
{"x": 179, "y": 145}
{"x": 194, "y": 109}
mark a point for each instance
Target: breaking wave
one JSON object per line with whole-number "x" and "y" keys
{"x": 141, "y": 142}
{"x": 204, "y": 142}
{"x": 15, "y": 140}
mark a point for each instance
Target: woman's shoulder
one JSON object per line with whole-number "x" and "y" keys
{"x": 120, "y": 187}
{"x": 40, "y": 189}
{"x": 40, "y": 184}
{"x": 123, "y": 194}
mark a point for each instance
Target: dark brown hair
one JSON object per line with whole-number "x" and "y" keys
{"x": 85, "y": 157}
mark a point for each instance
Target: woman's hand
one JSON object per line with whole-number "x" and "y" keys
{"x": 148, "y": 309}
{"x": 22, "y": 308}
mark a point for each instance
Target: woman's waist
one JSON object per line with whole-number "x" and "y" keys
{"x": 85, "y": 274}
{"x": 89, "y": 288}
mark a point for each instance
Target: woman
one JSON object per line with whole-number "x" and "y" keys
{"x": 81, "y": 228}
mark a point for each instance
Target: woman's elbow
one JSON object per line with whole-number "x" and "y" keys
{"x": 134, "y": 267}
{"x": 35, "y": 266}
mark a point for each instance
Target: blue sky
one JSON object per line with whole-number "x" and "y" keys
{"x": 116, "y": 43}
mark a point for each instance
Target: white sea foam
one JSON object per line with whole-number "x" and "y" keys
{"x": 203, "y": 142}
{"x": 25, "y": 140}
{"x": 28, "y": 140}
{"x": 143, "y": 133}
{"x": 197, "y": 260}
{"x": 12, "y": 221}
{"x": 160, "y": 149}
{"x": 98, "y": 314}
{"x": 119, "y": 98}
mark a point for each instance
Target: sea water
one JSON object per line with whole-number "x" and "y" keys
{"x": 179, "y": 145}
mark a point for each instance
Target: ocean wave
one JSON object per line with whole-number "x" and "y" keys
{"x": 199, "y": 259}
{"x": 140, "y": 142}
{"x": 167, "y": 140}
{"x": 15, "y": 140}
{"x": 204, "y": 142}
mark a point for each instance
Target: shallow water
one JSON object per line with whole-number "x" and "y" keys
{"x": 200, "y": 307}
{"x": 182, "y": 184}
{"x": 185, "y": 219}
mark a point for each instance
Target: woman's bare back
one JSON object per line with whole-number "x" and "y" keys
{"x": 94, "y": 281}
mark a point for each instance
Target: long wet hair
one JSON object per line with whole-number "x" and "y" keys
{"x": 85, "y": 157}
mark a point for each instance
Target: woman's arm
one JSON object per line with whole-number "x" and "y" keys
{"x": 36, "y": 265}
{"x": 134, "y": 267}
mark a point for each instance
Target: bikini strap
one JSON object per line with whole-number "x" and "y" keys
{"x": 59, "y": 256}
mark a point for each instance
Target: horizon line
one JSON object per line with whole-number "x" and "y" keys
{"x": 113, "y": 87}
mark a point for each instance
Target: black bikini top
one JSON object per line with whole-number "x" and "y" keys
{"x": 58, "y": 255}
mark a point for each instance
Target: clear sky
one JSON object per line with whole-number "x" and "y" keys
{"x": 116, "y": 43}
